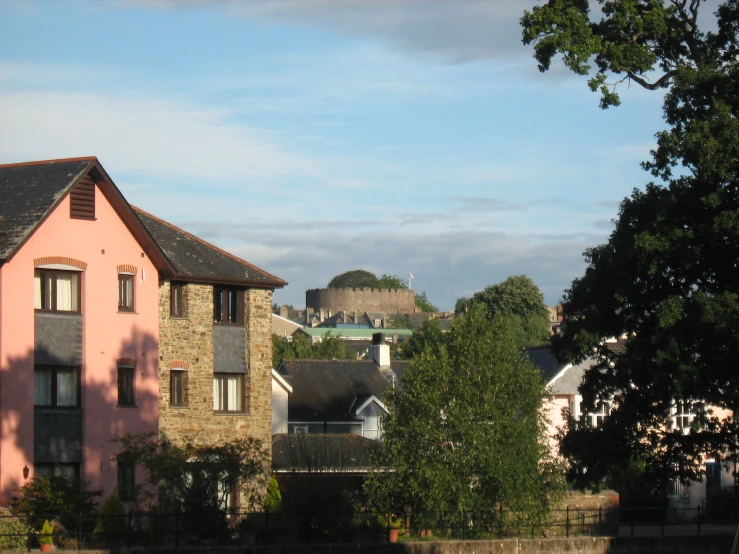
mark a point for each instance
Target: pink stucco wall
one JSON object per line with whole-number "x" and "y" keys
{"x": 107, "y": 336}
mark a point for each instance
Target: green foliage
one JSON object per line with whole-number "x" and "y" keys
{"x": 198, "y": 479}
{"x": 426, "y": 336}
{"x": 424, "y": 304}
{"x": 53, "y": 494}
{"x": 355, "y": 278}
{"x": 465, "y": 430}
{"x": 631, "y": 41}
{"x": 273, "y": 499}
{"x": 13, "y": 532}
{"x": 110, "y": 524}
{"x": 391, "y": 282}
{"x": 46, "y": 534}
{"x": 401, "y": 321}
{"x": 276, "y": 307}
{"x": 666, "y": 278}
{"x": 462, "y": 305}
{"x": 300, "y": 348}
{"x": 358, "y": 278}
{"x": 521, "y": 302}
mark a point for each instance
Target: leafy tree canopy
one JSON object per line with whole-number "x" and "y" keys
{"x": 276, "y": 307}
{"x": 197, "y": 478}
{"x": 667, "y": 277}
{"x": 461, "y": 305}
{"x": 652, "y": 43}
{"x": 519, "y": 299}
{"x": 465, "y": 429}
{"x": 424, "y": 304}
{"x": 356, "y": 278}
{"x": 391, "y": 282}
{"x": 426, "y": 336}
{"x": 300, "y": 347}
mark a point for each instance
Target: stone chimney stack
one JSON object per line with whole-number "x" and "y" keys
{"x": 283, "y": 311}
{"x": 356, "y": 317}
{"x": 321, "y": 315}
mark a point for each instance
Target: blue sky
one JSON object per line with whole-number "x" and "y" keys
{"x": 312, "y": 137}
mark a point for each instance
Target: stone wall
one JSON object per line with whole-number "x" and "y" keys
{"x": 188, "y": 342}
{"x": 391, "y": 301}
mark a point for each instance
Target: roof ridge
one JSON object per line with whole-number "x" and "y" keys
{"x": 57, "y": 160}
{"x": 208, "y": 244}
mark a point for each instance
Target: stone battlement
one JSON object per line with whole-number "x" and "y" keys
{"x": 363, "y": 299}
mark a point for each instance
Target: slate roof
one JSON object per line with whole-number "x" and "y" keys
{"x": 197, "y": 260}
{"x": 324, "y": 390}
{"x": 28, "y": 192}
{"x": 316, "y": 452}
{"x": 568, "y": 376}
{"x": 354, "y": 333}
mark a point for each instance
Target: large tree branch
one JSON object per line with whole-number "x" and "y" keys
{"x": 659, "y": 83}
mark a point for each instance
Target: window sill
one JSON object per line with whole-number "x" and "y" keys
{"x": 127, "y": 312}
{"x": 178, "y": 407}
{"x": 178, "y": 317}
{"x": 217, "y": 324}
{"x": 228, "y": 413}
{"x": 57, "y": 312}
{"x": 126, "y": 406}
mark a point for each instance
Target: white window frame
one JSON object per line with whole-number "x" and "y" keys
{"x": 683, "y": 413}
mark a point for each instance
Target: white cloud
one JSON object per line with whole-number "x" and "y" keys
{"x": 170, "y": 139}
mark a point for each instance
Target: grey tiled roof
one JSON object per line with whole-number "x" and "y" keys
{"x": 28, "y": 192}
{"x": 324, "y": 390}
{"x": 318, "y": 452}
{"x": 569, "y": 381}
{"x": 196, "y": 259}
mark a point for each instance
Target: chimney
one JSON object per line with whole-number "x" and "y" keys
{"x": 356, "y": 317}
{"x": 321, "y": 315}
{"x": 385, "y": 322}
{"x": 380, "y": 351}
{"x": 395, "y": 338}
{"x": 308, "y": 314}
{"x": 283, "y": 311}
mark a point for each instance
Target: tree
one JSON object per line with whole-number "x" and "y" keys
{"x": 276, "y": 307}
{"x": 198, "y": 480}
{"x": 632, "y": 39}
{"x": 521, "y": 301}
{"x": 462, "y": 305}
{"x": 391, "y": 282}
{"x": 427, "y": 335}
{"x": 465, "y": 430}
{"x": 667, "y": 277}
{"x": 300, "y": 347}
{"x": 424, "y": 304}
{"x": 356, "y": 278}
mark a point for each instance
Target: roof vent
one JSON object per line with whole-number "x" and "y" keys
{"x": 82, "y": 199}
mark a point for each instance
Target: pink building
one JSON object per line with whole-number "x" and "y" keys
{"x": 79, "y": 286}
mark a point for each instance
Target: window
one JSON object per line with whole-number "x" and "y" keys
{"x": 713, "y": 476}
{"x": 228, "y": 392}
{"x": 300, "y": 429}
{"x": 125, "y": 292}
{"x": 82, "y": 199}
{"x": 56, "y": 387}
{"x": 56, "y": 290}
{"x": 685, "y": 413}
{"x": 125, "y": 386}
{"x": 176, "y": 308}
{"x": 71, "y": 472}
{"x": 226, "y": 305}
{"x": 597, "y": 417}
{"x": 372, "y": 427}
{"x": 176, "y": 387}
{"x": 126, "y": 480}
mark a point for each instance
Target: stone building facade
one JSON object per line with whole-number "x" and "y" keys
{"x": 390, "y": 301}
{"x": 187, "y": 345}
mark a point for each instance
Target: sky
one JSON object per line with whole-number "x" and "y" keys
{"x": 312, "y": 137}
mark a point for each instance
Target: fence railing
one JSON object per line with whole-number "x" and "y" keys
{"x": 142, "y": 529}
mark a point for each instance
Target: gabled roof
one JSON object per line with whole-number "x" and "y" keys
{"x": 353, "y": 333}
{"x": 325, "y": 390}
{"x": 561, "y": 378}
{"x": 30, "y": 191}
{"x": 322, "y": 453}
{"x": 197, "y": 260}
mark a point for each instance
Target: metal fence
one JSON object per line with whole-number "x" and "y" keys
{"x": 154, "y": 529}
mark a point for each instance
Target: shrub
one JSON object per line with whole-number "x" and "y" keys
{"x": 13, "y": 532}
{"x": 111, "y": 521}
{"x": 273, "y": 500}
{"x": 721, "y": 504}
{"x": 46, "y": 534}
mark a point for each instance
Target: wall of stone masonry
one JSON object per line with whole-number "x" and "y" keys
{"x": 190, "y": 340}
